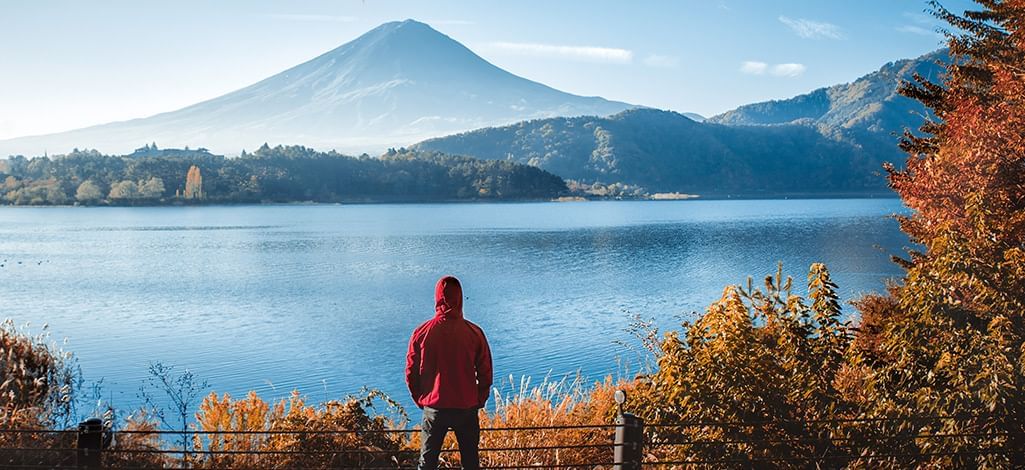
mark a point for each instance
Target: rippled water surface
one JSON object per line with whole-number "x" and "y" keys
{"x": 323, "y": 298}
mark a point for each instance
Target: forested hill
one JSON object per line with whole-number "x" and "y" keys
{"x": 867, "y": 112}
{"x": 278, "y": 174}
{"x": 664, "y": 151}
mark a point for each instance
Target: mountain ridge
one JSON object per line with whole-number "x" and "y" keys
{"x": 398, "y": 83}
{"x": 869, "y": 104}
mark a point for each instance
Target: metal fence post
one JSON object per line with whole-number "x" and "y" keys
{"x": 629, "y": 440}
{"x": 90, "y": 443}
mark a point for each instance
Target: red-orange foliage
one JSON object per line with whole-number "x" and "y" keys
{"x": 193, "y": 183}
{"x": 966, "y": 181}
{"x": 952, "y": 339}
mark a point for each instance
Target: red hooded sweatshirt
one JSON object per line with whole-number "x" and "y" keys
{"x": 449, "y": 362}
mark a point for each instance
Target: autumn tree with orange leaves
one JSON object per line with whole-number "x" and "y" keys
{"x": 194, "y": 183}
{"x": 950, "y": 339}
{"x": 941, "y": 355}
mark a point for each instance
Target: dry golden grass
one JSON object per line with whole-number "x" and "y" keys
{"x": 333, "y": 435}
{"x": 550, "y": 405}
{"x": 36, "y": 380}
{"x": 131, "y": 448}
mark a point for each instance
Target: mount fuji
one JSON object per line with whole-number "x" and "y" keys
{"x": 397, "y": 84}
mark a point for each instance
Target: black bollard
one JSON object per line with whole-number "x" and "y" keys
{"x": 629, "y": 441}
{"x": 90, "y": 443}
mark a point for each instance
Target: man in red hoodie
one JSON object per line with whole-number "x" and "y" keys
{"x": 448, "y": 371}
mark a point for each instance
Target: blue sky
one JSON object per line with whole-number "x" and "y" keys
{"x": 69, "y": 64}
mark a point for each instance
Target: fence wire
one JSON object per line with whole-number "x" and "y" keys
{"x": 55, "y": 448}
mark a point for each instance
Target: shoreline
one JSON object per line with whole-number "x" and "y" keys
{"x": 563, "y": 200}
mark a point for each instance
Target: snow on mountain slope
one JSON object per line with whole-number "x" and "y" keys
{"x": 397, "y": 84}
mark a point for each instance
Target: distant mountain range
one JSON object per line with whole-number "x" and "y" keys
{"x": 397, "y": 84}
{"x": 832, "y": 140}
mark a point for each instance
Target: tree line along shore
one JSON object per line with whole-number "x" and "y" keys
{"x": 154, "y": 176}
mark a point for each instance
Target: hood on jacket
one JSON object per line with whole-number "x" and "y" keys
{"x": 448, "y": 298}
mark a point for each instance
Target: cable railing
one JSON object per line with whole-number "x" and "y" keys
{"x": 627, "y": 443}
{"x": 189, "y": 457}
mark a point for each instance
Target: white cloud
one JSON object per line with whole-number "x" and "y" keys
{"x": 754, "y": 68}
{"x": 584, "y": 53}
{"x": 788, "y": 70}
{"x": 919, "y": 18}
{"x": 662, "y": 61}
{"x": 305, "y": 17}
{"x": 914, "y": 29}
{"x": 809, "y": 29}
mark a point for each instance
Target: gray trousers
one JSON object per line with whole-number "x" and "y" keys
{"x": 436, "y": 425}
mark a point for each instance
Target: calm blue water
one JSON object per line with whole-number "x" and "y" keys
{"x": 322, "y": 298}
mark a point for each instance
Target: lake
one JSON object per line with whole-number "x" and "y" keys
{"x": 322, "y": 298}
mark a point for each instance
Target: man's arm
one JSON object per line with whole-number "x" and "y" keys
{"x": 484, "y": 370}
{"x": 413, "y": 366}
